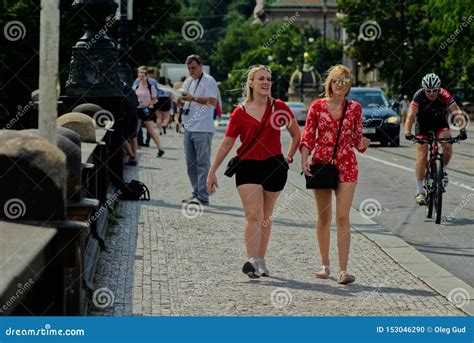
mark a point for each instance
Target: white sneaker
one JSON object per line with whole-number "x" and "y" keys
{"x": 445, "y": 179}
{"x": 250, "y": 268}
{"x": 420, "y": 199}
{"x": 262, "y": 268}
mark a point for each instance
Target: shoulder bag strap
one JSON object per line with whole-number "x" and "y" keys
{"x": 195, "y": 88}
{"x": 339, "y": 132}
{"x": 267, "y": 114}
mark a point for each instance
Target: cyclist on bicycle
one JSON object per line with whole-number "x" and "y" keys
{"x": 429, "y": 106}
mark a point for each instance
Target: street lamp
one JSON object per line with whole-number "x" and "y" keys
{"x": 126, "y": 16}
{"x": 94, "y": 67}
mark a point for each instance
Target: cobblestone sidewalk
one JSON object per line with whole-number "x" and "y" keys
{"x": 163, "y": 260}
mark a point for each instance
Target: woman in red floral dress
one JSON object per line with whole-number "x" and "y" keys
{"x": 318, "y": 139}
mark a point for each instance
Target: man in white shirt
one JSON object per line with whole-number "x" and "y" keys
{"x": 197, "y": 109}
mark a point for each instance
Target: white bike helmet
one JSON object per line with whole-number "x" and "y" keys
{"x": 430, "y": 81}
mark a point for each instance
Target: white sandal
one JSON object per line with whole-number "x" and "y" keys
{"x": 323, "y": 272}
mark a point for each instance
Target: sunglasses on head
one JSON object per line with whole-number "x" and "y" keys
{"x": 341, "y": 81}
{"x": 435, "y": 90}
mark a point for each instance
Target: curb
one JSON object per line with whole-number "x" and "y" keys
{"x": 413, "y": 261}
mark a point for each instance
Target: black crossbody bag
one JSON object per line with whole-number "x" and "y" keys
{"x": 234, "y": 161}
{"x": 326, "y": 175}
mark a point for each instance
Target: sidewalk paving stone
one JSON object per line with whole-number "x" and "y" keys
{"x": 162, "y": 260}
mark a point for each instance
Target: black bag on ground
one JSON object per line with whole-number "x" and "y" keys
{"x": 326, "y": 175}
{"x": 134, "y": 190}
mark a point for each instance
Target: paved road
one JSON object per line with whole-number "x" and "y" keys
{"x": 387, "y": 176}
{"x": 163, "y": 259}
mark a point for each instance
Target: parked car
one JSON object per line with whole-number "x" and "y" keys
{"x": 300, "y": 111}
{"x": 380, "y": 122}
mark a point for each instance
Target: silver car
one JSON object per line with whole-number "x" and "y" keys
{"x": 300, "y": 111}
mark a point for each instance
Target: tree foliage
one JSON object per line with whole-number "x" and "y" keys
{"x": 414, "y": 43}
{"x": 19, "y": 58}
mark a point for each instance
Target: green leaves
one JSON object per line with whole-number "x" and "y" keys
{"x": 418, "y": 44}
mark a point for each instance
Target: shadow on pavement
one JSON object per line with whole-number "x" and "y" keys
{"x": 336, "y": 289}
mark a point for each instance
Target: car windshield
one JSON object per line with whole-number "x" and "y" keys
{"x": 369, "y": 98}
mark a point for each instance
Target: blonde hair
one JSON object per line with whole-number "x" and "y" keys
{"x": 251, "y": 73}
{"x": 333, "y": 71}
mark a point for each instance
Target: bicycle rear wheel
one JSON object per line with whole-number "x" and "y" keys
{"x": 429, "y": 192}
{"x": 438, "y": 190}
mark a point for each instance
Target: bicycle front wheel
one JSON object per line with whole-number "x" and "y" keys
{"x": 429, "y": 191}
{"x": 438, "y": 190}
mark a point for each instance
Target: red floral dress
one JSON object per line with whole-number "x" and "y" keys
{"x": 320, "y": 133}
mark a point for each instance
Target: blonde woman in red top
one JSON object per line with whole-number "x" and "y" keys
{"x": 262, "y": 171}
{"x": 319, "y": 138}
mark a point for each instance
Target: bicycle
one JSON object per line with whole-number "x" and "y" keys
{"x": 434, "y": 177}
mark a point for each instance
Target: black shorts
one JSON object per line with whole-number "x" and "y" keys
{"x": 163, "y": 104}
{"x": 130, "y": 125}
{"x": 146, "y": 117}
{"x": 271, "y": 173}
{"x": 437, "y": 128}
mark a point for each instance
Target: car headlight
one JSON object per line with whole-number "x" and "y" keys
{"x": 392, "y": 120}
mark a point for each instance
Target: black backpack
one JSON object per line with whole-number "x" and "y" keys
{"x": 134, "y": 190}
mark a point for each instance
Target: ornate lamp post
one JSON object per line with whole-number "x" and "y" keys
{"x": 126, "y": 16}
{"x": 94, "y": 67}
{"x": 94, "y": 75}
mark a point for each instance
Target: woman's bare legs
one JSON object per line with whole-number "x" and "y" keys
{"x": 166, "y": 120}
{"x": 159, "y": 121}
{"x": 252, "y": 200}
{"x": 149, "y": 128}
{"x": 344, "y": 196}
{"x": 324, "y": 215}
{"x": 269, "y": 200}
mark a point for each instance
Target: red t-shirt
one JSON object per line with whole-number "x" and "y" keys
{"x": 243, "y": 125}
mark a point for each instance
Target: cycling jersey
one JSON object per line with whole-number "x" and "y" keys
{"x": 432, "y": 115}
